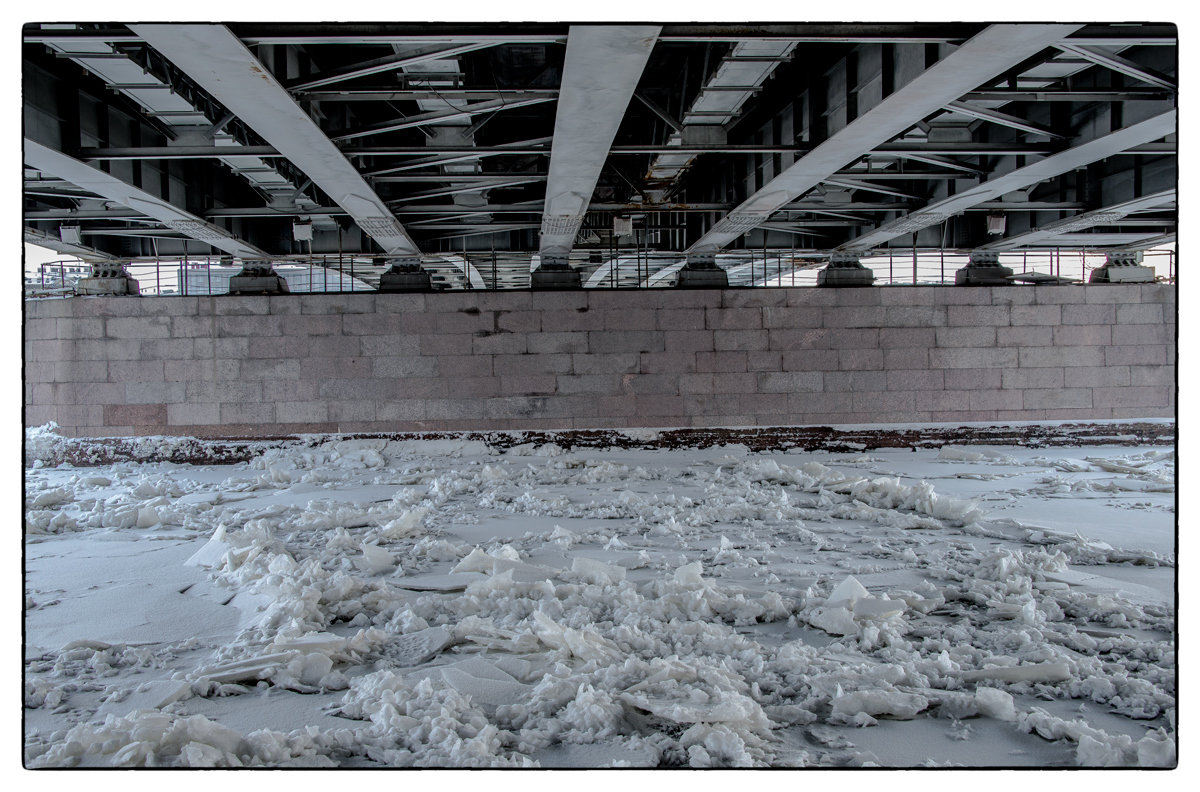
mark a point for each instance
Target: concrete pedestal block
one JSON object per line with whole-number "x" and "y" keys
{"x": 405, "y": 280}
{"x": 110, "y": 286}
{"x": 988, "y": 275}
{"x": 258, "y": 284}
{"x": 702, "y": 278}
{"x": 549, "y": 278}
{"x": 845, "y": 276}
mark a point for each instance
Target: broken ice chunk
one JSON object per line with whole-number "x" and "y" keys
{"x": 995, "y": 703}
{"x": 418, "y": 647}
{"x": 835, "y": 621}
{"x": 904, "y": 706}
{"x": 1036, "y": 672}
{"x": 848, "y": 592}
{"x": 374, "y": 560}
{"x": 878, "y": 609}
{"x": 592, "y": 571}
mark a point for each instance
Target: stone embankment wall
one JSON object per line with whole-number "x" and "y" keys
{"x": 268, "y": 366}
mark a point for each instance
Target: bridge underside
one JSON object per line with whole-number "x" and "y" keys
{"x": 384, "y": 140}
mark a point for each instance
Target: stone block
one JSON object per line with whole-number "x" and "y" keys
{"x": 909, "y": 295}
{"x": 972, "y": 357}
{"x": 750, "y": 318}
{"x": 906, "y": 358}
{"x": 808, "y": 402}
{"x": 247, "y": 412}
{"x": 1096, "y": 376}
{"x": 399, "y": 410}
{"x": 926, "y": 315}
{"x": 811, "y": 360}
{"x": 75, "y": 328}
{"x": 1146, "y": 313}
{"x": 855, "y": 316}
{"x": 785, "y": 340}
{"x": 345, "y": 410}
{"x": 679, "y": 319}
{"x": 593, "y": 384}
{"x": 1112, "y": 293}
{"x": 572, "y": 320}
{"x": 467, "y": 320}
{"x": 978, "y": 315}
{"x": 521, "y": 365}
{"x": 389, "y": 345}
{"x": 137, "y": 327}
{"x": 1148, "y": 354}
{"x": 310, "y": 324}
{"x": 355, "y": 302}
{"x": 694, "y": 384}
{"x": 128, "y": 371}
{"x": 628, "y": 319}
{"x": 302, "y": 411}
{"x": 1038, "y": 315}
{"x": 506, "y": 300}
{"x": 1084, "y": 314}
{"x": 155, "y": 392}
{"x": 193, "y": 413}
{"x": 433, "y": 345}
{"x": 616, "y": 341}
{"x": 970, "y": 379}
{"x": 291, "y": 389}
{"x": 791, "y": 382}
{"x": 527, "y": 384}
{"x": 893, "y": 337}
{"x": 688, "y": 340}
{"x": 282, "y": 304}
{"x": 1020, "y": 378}
{"x": 1160, "y": 293}
{"x": 753, "y": 298}
{"x": 860, "y": 359}
{"x": 498, "y": 343}
{"x": 1141, "y": 396}
{"x": 880, "y": 402}
{"x": 620, "y": 363}
{"x": 164, "y": 349}
{"x": 1014, "y": 297}
{"x": 995, "y": 400}
{"x": 668, "y": 362}
{"x": 794, "y": 317}
{"x": 519, "y": 321}
{"x": 1129, "y": 335}
{"x": 384, "y": 367}
{"x": 651, "y": 384}
{"x": 1082, "y": 335}
{"x": 915, "y": 379}
{"x": 557, "y": 342}
{"x": 44, "y": 329}
{"x": 1025, "y": 336}
{"x": 721, "y": 362}
{"x": 846, "y": 382}
{"x": 1059, "y": 295}
{"x": 1038, "y": 357}
{"x": 617, "y": 406}
{"x": 1154, "y": 376}
{"x": 455, "y": 366}
{"x": 129, "y": 414}
{"x": 216, "y": 391}
{"x": 1056, "y": 398}
{"x": 946, "y": 401}
{"x": 747, "y": 340}
{"x": 759, "y": 360}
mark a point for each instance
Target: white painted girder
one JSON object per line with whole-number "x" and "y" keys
{"x": 1054, "y": 165}
{"x": 601, "y": 69}
{"x": 94, "y": 180}
{"x": 219, "y": 62}
{"x": 1103, "y": 216}
{"x": 982, "y": 57}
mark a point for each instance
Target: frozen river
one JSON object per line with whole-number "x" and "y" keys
{"x": 365, "y": 603}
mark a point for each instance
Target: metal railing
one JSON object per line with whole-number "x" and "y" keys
{"x": 629, "y": 269}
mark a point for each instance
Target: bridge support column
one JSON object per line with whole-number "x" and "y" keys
{"x": 405, "y": 275}
{"x": 554, "y": 273}
{"x": 983, "y": 270}
{"x": 844, "y": 269}
{"x": 1123, "y": 267}
{"x": 701, "y": 272}
{"x": 107, "y": 279}
{"x": 258, "y": 277}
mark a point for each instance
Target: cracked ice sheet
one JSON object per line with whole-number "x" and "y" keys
{"x": 717, "y": 561}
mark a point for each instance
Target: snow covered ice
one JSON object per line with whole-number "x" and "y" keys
{"x": 440, "y": 603}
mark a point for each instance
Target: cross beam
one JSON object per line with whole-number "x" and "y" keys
{"x": 981, "y": 58}
{"x": 215, "y": 58}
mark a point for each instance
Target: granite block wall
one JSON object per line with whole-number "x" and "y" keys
{"x": 267, "y": 366}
